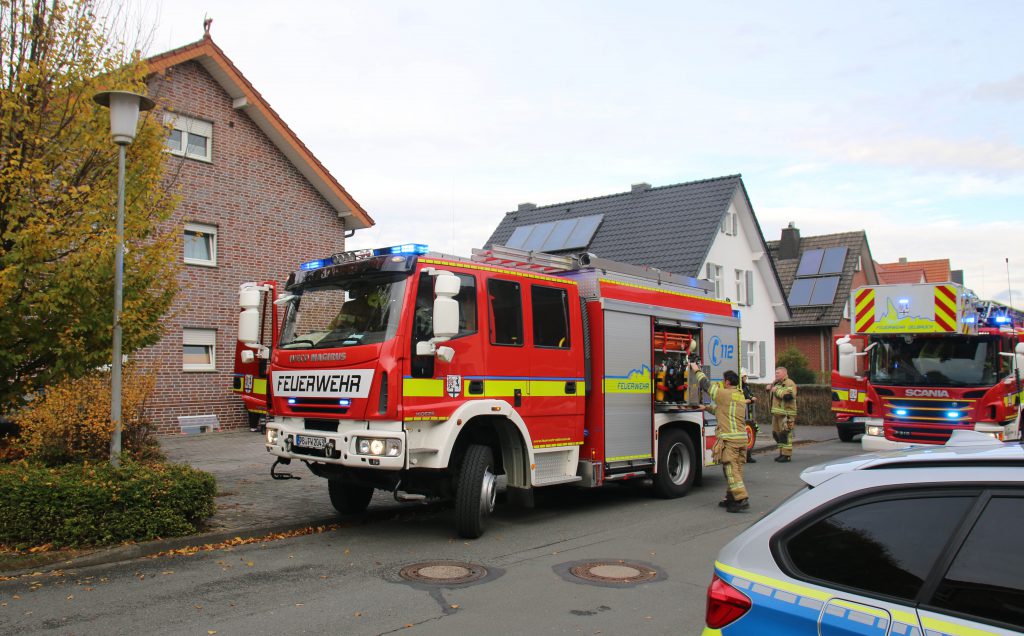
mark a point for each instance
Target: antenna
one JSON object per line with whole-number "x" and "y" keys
{"x": 1009, "y": 287}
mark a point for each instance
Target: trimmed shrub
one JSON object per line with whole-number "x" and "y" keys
{"x": 813, "y": 405}
{"x": 96, "y": 504}
{"x": 70, "y": 422}
{"x": 796, "y": 365}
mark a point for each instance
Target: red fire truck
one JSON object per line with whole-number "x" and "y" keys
{"x": 925, "y": 360}
{"x": 429, "y": 375}
{"x": 249, "y": 380}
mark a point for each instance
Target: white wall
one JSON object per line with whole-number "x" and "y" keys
{"x": 745, "y": 251}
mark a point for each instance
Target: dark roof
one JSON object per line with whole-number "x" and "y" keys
{"x": 668, "y": 227}
{"x": 827, "y": 315}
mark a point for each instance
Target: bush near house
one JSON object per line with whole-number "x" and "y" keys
{"x": 814, "y": 405}
{"x": 95, "y": 504}
{"x": 58, "y": 489}
{"x": 796, "y": 365}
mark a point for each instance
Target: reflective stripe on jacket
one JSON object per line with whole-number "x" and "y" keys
{"x": 730, "y": 409}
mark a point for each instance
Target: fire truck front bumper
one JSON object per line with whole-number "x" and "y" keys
{"x": 355, "y": 444}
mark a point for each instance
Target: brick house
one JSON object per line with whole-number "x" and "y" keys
{"x": 931, "y": 271}
{"x": 254, "y": 203}
{"x": 818, "y": 273}
{"x": 704, "y": 229}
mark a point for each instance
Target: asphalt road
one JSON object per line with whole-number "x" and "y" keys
{"x": 345, "y": 581}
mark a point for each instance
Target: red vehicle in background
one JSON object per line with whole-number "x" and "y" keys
{"x": 249, "y": 380}
{"x": 925, "y": 360}
{"x": 429, "y": 375}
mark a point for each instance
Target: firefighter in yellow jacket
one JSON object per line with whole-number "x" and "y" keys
{"x": 783, "y": 409}
{"x": 731, "y": 446}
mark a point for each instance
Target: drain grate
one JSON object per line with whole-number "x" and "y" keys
{"x": 443, "y": 572}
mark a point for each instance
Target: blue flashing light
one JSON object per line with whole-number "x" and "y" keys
{"x": 407, "y": 248}
{"x": 901, "y": 412}
{"x": 345, "y": 402}
{"x": 317, "y": 264}
{"x": 969, "y": 320}
{"x": 291, "y": 400}
{"x": 952, "y": 414}
{"x": 1002, "y": 320}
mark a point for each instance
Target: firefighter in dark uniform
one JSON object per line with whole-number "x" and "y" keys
{"x": 731, "y": 435}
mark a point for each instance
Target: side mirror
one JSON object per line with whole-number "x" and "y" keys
{"x": 249, "y": 319}
{"x": 1018, "y": 357}
{"x": 446, "y": 316}
{"x": 847, "y": 358}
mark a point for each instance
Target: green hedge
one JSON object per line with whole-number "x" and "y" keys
{"x": 813, "y": 405}
{"x": 97, "y": 504}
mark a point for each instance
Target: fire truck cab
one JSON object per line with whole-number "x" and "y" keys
{"x": 429, "y": 375}
{"x": 925, "y": 360}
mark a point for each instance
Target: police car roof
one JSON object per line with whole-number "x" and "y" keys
{"x": 964, "y": 448}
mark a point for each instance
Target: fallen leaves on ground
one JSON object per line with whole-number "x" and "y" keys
{"x": 230, "y": 543}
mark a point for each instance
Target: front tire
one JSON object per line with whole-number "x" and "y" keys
{"x": 845, "y": 434}
{"x": 475, "y": 492}
{"x": 677, "y": 465}
{"x": 349, "y": 499}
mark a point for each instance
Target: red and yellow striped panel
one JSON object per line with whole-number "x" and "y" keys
{"x": 945, "y": 307}
{"x": 864, "y": 304}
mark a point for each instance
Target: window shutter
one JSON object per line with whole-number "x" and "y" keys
{"x": 750, "y": 288}
{"x": 761, "y": 359}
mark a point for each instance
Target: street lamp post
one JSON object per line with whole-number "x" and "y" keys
{"x": 124, "y": 118}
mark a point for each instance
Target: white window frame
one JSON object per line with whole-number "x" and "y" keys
{"x": 201, "y": 338}
{"x": 715, "y": 274}
{"x": 203, "y": 230}
{"x": 741, "y": 286}
{"x": 189, "y": 126}
{"x": 751, "y": 358}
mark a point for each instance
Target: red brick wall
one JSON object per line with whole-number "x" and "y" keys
{"x": 808, "y": 341}
{"x": 269, "y": 219}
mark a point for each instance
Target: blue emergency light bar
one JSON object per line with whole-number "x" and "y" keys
{"x": 355, "y": 255}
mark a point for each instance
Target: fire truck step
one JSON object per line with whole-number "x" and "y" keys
{"x": 559, "y": 479}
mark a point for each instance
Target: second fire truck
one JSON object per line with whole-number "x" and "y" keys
{"x": 430, "y": 375}
{"x": 927, "y": 359}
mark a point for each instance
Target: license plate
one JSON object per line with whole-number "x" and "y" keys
{"x": 310, "y": 441}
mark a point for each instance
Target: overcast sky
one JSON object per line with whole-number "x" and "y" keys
{"x": 899, "y": 118}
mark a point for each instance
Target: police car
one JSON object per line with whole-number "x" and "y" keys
{"x": 921, "y": 542}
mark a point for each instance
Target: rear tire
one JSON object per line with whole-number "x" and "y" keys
{"x": 845, "y": 434}
{"x": 677, "y": 465}
{"x": 475, "y": 492}
{"x": 349, "y": 499}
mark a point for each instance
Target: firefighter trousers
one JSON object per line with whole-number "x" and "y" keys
{"x": 784, "y": 431}
{"x": 734, "y": 455}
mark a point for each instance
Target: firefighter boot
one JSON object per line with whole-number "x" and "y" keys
{"x": 783, "y": 459}
{"x": 728, "y": 501}
{"x": 738, "y": 506}
{"x": 750, "y": 458}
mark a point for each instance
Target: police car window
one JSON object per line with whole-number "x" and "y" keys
{"x": 883, "y": 547}
{"x": 550, "y": 317}
{"x": 985, "y": 579}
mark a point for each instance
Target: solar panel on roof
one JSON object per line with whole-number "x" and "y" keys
{"x": 538, "y": 236}
{"x": 555, "y": 236}
{"x": 519, "y": 236}
{"x": 810, "y": 263}
{"x": 832, "y": 262}
{"x": 800, "y": 294}
{"x": 584, "y": 231}
{"x": 824, "y": 290}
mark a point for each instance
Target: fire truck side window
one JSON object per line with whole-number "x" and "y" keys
{"x": 506, "y": 312}
{"x": 550, "y": 317}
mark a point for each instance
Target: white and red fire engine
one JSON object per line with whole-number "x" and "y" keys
{"x": 430, "y": 375}
{"x": 925, "y": 360}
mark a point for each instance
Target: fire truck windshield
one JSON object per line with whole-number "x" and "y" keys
{"x": 939, "y": 361}
{"x": 343, "y": 312}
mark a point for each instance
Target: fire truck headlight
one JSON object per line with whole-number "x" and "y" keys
{"x": 875, "y": 431}
{"x": 362, "y": 446}
{"x": 271, "y": 435}
{"x": 377, "y": 447}
{"x": 394, "y": 447}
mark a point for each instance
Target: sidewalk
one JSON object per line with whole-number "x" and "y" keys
{"x": 251, "y": 504}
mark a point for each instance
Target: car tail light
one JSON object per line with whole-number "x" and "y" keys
{"x": 725, "y": 604}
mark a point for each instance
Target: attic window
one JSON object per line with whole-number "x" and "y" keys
{"x": 555, "y": 236}
{"x": 189, "y": 137}
{"x": 730, "y": 224}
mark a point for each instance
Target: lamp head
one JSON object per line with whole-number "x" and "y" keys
{"x": 124, "y": 113}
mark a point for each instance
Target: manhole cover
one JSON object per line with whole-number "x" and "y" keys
{"x": 619, "y": 572}
{"x": 443, "y": 572}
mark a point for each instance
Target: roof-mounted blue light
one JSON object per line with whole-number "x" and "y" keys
{"x": 407, "y": 248}
{"x": 1002, "y": 320}
{"x": 317, "y": 264}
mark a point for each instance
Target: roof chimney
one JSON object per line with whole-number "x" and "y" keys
{"x": 789, "y": 245}
{"x": 526, "y": 207}
{"x": 903, "y": 260}
{"x": 640, "y": 187}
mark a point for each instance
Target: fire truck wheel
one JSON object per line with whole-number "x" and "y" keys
{"x": 348, "y": 498}
{"x": 476, "y": 491}
{"x": 676, "y": 465}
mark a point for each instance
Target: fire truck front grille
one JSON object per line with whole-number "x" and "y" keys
{"x": 317, "y": 405}
{"x": 924, "y": 420}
